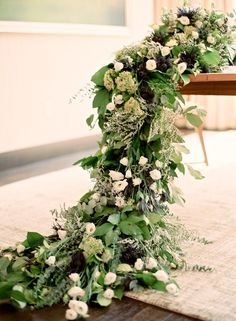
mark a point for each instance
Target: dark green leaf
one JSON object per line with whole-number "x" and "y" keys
{"x": 211, "y": 58}
{"x": 4, "y": 263}
{"x": 5, "y": 290}
{"x": 127, "y": 208}
{"x": 111, "y": 237}
{"x": 87, "y": 162}
{"x": 103, "y": 229}
{"x": 129, "y": 228}
{"x": 86, "y": 196}
{"x": 101, "y": 99}
{"x": 119, "y": 292}
{"x": 153, "y": 138}
{"x": 97, "y": 78}
{"x": 160, "y": 286}
{"x": 34, "y": 239}
{"x": 89, "y": 120}
{"x": 18, "y": 264}
{"x": 18, "y": 296}
{"x": 146, "y": 278}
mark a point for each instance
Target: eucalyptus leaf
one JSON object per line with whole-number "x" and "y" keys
{"x": 195, "y": 173}
{"x": 193, "y": 119}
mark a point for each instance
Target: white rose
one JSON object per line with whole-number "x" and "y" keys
{"x": 104, "y": 149}
{"x": 161, "y": 276}
{"x": 138, "y": 265}
{"x": 151, "y": 263}
{"x": 172, "y": 288}
{"x": 74, "y": 277}
{"x": 110, "y": 278}
{"x": 198, "y": 24}
{"x": 182, "y": 37}
{"x": 71, "y": 314}
{"x": 79, "y": 307}
{"x": 184, "y": 20}
{"x": 116, "y": 176}
{"x": 153, "y": 187}
{"x": 110, "y": 106}
{"x": 171, "y": 43}
{"x": 130, "y": 60}
{"x": 165, "y": 51}
{"x": 50, "y": 260}
{"x": 220, "y": 22}
{"x": 90, "y": 228}
{"x": 137, "y": 181}
{"x": 202, "y": 47}
{"x": 97, "y": 274}
{"x": 158, "y": 164}
{"x": 20, "y": 248}
{"x": 76, "y": 291}
{"x": 120, "y": 202}
{"x": 109, "y": 294}
{"x": 123, "y": 267}
{"x": 195, "y": 34}
{"x": 118, "y": 99}
{"x": 124, "y": 161}
{"x": 96, "y": 197}
{"x": 151, "y": 64}
{"x": 155, "y": 174}
{"x": 181, "y": 67}
{"x": 143, "y": 161}
{"x": 119, "y": 186}
{"x": 210, "y": 39}
{"x": 118, "y": 66}
{"x": 128, "y": 173}
{"x": 61, "y": 234}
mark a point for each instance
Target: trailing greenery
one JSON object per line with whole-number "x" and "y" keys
{"x": 121, "y": 235}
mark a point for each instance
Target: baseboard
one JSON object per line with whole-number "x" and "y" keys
{"x": 30, "y": 155}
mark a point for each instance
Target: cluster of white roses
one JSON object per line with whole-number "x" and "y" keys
{"x": 159, "y": 274}
{"x": 120, "y": 180}
{"x": 77, "y": 307}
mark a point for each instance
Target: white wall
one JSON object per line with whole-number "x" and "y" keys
{"x": 39, "y": 72}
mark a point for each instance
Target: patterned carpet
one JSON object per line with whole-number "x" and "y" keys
{"x": 210, "y": 209}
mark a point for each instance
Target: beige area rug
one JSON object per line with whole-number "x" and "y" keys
{"x": 210, "y": 209}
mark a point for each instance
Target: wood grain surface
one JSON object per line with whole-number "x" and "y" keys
{"x": 124, "y": 310}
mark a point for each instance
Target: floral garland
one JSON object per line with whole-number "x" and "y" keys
{"x": 121, "y": 235}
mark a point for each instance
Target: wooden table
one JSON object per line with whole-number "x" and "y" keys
{"x": 124, "y": 310}
{"x": 211, "y": 84}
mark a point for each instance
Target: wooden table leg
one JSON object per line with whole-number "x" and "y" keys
{"x": 199, "y": 131}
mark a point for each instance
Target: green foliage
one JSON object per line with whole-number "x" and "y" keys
{"x": 34, "y": 239}
{"x": 98, "y": 77}
{"x": 211, "y": 58}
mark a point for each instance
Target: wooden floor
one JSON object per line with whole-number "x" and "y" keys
{"x": 124, "y": 310}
